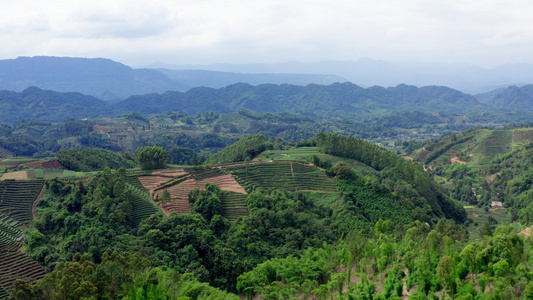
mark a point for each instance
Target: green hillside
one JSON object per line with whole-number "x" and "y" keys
{"x": 332, "y": 216}
{"x": 487, "y": 170}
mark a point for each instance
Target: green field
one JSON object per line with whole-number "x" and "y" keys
{"x": 233, "y": 205}
{"x": 17, "y": 197}
{"x": 283, "y": 175}
{"x": 297, "y": 154}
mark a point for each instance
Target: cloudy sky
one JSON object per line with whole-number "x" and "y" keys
{"x": 480, "y": 32}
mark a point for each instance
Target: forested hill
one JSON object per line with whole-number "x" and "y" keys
{"x": 98, "y": 77}
{"x": 36, "y": 104}
{"x": 514, "y": 98}
{"x": 113, "y": 81}
{"x": 339, "y": 100}
{"x": 335, "y": 100}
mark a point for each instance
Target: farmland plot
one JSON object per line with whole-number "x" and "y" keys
{"x": 17, "y": 197}
{"x": 499, "y": 142}
{"x": 178, "y": 197}
{"x": 8, "y": 233}
{"x": 141, "y": 206}
{"x": 523, "y": 136}
{"x": 15, "y": 264}
{"x": 225, "y": 182}
{"x": 233, "y": 205}
{"x": 287, "y": 175}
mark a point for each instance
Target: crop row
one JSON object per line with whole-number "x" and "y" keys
{"x": 499, "y": 142}
{"x": 301, "y": 168}
{"x": 14, "y": 264}
{"x": 134, "y": 181}
{"x": 280, "y": 176}
{"x": 141, "y": 206}
{"x": 3, "y": 293}
{"x": 8, "y": 234}
{"x": 199, "y": 175}
{"x": 138, "y": 172}
{"x": 9, "y": 221}
{"x": 17, "y": 197}
{"x": 233, "y": 205}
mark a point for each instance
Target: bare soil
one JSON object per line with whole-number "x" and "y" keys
{"x": 226, "y": 183}
{"x": 527, "y": 232}
{"x": 457, "y": 160}
{"x": 20, "y": 175}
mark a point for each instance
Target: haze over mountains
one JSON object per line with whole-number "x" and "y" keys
{"x": 113, "y": 81}
{"x": 55, "y": 88}
{"x": 367, "y": 72}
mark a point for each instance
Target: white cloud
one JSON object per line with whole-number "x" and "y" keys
{"x": 209, "y": 31}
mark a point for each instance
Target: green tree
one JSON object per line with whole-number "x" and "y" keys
{"x": 445, "y": 271}
{"x": 150, "y": 158}
{"x": 165, "y": 197}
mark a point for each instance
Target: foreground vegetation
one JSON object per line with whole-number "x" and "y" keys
{"x": 337, "y": 217}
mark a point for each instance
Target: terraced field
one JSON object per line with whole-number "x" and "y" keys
{"x": 499, "y": 142}
{"x": 169, "y": 172}
{"x": 178, "y": 197}
{"x": 15, "y": 264}
{"x": 224, "y": 181}
{"x": 8, "y": 233}
{"x": 17, "y": 197}
{"x": 141, "y": 206}
{"x": 523, "y": 135}
{"x": 152, "y": 182}
{"x": 297, "y": 154}
{"x": 233, "y": 205}
{"x": 287, "y": 175}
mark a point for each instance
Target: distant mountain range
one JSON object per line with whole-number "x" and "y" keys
{"x": 80, "y": 85}
{"x": 367, "y": 72}
{"x": 339, "y": 100}
{"x": 113, "y": 81}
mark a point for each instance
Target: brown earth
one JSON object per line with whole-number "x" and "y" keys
{"x": 526, "y": 232}
{"x": 44, "y": 164}
{"x": 457, "y": 160}
{"x": 20, "y": 175}
{"x": 226, "y": 183}
{"x": 152, "y": 182}
{"x": 169, "y": 172}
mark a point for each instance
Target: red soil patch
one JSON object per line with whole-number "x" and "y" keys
{"x": 225, "y": 182}
{"x": 179, "y": 205}
{"x": 169, "y": 172}
{"x": 179, "y": 194}
{"x": 152, "y": 182}
{"x": 180, "y": 190}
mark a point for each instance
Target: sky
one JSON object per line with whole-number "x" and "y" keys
{"x": 485, "y": 33}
